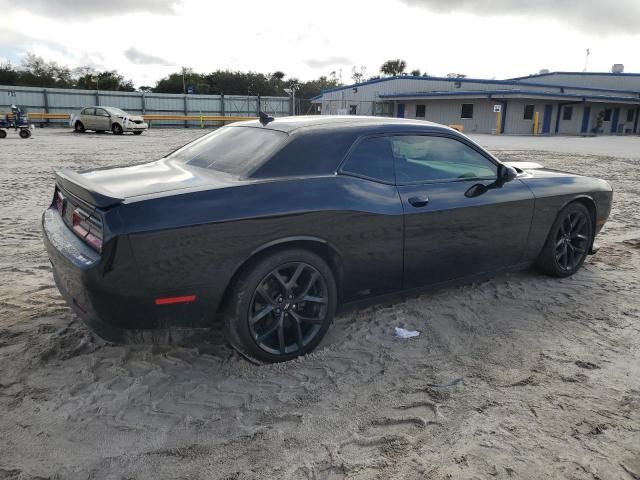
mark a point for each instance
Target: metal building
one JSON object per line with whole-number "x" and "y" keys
{"x": 564, "y": 103}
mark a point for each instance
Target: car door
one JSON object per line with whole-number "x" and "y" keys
{"x": 87, "y": 117}
{"x": 102, "y": 120}
{"x": 452, "y": 228}
{"x": 373, "y": 236}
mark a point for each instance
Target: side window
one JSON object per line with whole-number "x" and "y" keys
{"x": 371, "y": 158}
{"x": 430, "y": 158}
{"x": 88, "y": 111}
{"x": 100, "y": 112}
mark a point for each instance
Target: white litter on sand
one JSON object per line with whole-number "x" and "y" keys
{"x": 403, "y": 333}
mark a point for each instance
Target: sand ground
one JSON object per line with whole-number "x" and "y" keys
{"x": 521, "y": 376}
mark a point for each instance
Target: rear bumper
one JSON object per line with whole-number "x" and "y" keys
{"x": 106, "y": 293}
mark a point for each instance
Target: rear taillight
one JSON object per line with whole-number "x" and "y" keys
{"x": 59, "y": 202}
{"x": 88, "y": 228}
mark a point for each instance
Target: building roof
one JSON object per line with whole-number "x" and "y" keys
{"x": 312, "y": 122}
{"x": 513, "y": 82}
{"x": 513, "y": 93}
{"x": 611, "y": 74}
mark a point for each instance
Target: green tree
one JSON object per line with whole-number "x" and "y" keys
{"x": 393, "y": 67}
{"x": 8, "y": 74}
{"x": 416, "y": 73}
{"x": 37, "y": 72}
{"x": 89, "y": 79}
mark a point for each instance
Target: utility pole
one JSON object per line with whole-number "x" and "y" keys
{"x": 184, "y": 85}
{"x": 586, "y": 60}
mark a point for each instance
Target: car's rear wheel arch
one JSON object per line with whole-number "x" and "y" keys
{"x": 315, "y": 245}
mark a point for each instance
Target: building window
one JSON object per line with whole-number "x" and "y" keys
{"x": 420, "y": 111}
{"x": 467, "y": 110}
{"x": 353, "y": 109}
{"x": 528, "y": 112}
{"x": 630, "y": 115}
{"x": 607, "y": 115}
{"x": 567, "y": 112}
{"x": 384, "y": 109}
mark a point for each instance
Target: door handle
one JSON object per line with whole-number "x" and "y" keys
{"x": 419, "y": 201}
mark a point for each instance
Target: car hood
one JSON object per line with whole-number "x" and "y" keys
{"x": 155, "y": 177}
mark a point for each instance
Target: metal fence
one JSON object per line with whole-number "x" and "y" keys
{"x": 58, "y": 100}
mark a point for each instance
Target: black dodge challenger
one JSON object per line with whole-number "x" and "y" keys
{"x": 268, "y": 225}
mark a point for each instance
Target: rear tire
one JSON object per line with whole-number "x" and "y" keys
{"x": 78, "y": 127}
{"x": 568, "y": 243}
{"x": 116, "y": 128}
{"x": 281, "y": 306}
{"x": 3, "y": 133}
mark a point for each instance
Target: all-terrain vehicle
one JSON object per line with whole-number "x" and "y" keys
{"x": 17, "y": 121}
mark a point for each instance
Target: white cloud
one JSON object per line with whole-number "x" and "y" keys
{"x": 305, "y": 43}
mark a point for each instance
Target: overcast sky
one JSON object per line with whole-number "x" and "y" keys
{"x": 147, "y": 39}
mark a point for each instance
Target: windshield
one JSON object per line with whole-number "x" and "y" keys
{"x": 235, "y": 150}
{"x": 115, "y": 111}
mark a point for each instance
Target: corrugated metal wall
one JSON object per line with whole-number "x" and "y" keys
{"x": 57, "y": 100}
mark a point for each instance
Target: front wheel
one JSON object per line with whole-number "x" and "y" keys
{"x": 116, "y": 128}
{"x": 24, "y": 133}
{"x": 568, "y": 243}
{"x": 281, "y": 307}
{"x": 3, "y": 133}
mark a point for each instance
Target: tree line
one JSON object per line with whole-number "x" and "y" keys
{"x": 38, "y": 72}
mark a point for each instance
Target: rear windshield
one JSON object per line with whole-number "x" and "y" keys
{"x": 234, "y": 150}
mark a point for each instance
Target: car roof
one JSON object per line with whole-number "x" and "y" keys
{"x": 324, "y": 122}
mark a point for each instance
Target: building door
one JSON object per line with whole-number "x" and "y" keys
{"x": 585, "y": 120}
{"x": 546, "y": 119}
{"x": 400, "y": 112}
{"x": 614, "y": 120}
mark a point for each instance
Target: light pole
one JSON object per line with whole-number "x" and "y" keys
{"x": 292, "y": 91}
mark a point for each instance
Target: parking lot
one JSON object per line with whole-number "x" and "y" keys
{"x": 520, "y": 376}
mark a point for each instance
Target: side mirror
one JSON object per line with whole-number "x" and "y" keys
{"x": 506, "y": 174}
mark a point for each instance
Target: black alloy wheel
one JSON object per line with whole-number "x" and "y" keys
{"x": 571, "y": 240}
{"x": 281, "y": 306}
{"x": 568, "y": 243}
{"x": 78, "y": 127}
{"x": 116, "y": 128}
{"x": 288, "y": 308}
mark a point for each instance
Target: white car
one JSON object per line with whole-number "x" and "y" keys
{"x": 101, "y": 119}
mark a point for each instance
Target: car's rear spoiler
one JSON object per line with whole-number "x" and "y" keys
{"x": 90, "y": 192}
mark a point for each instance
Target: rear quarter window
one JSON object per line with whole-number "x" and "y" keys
{"x": 308, "y": 153}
